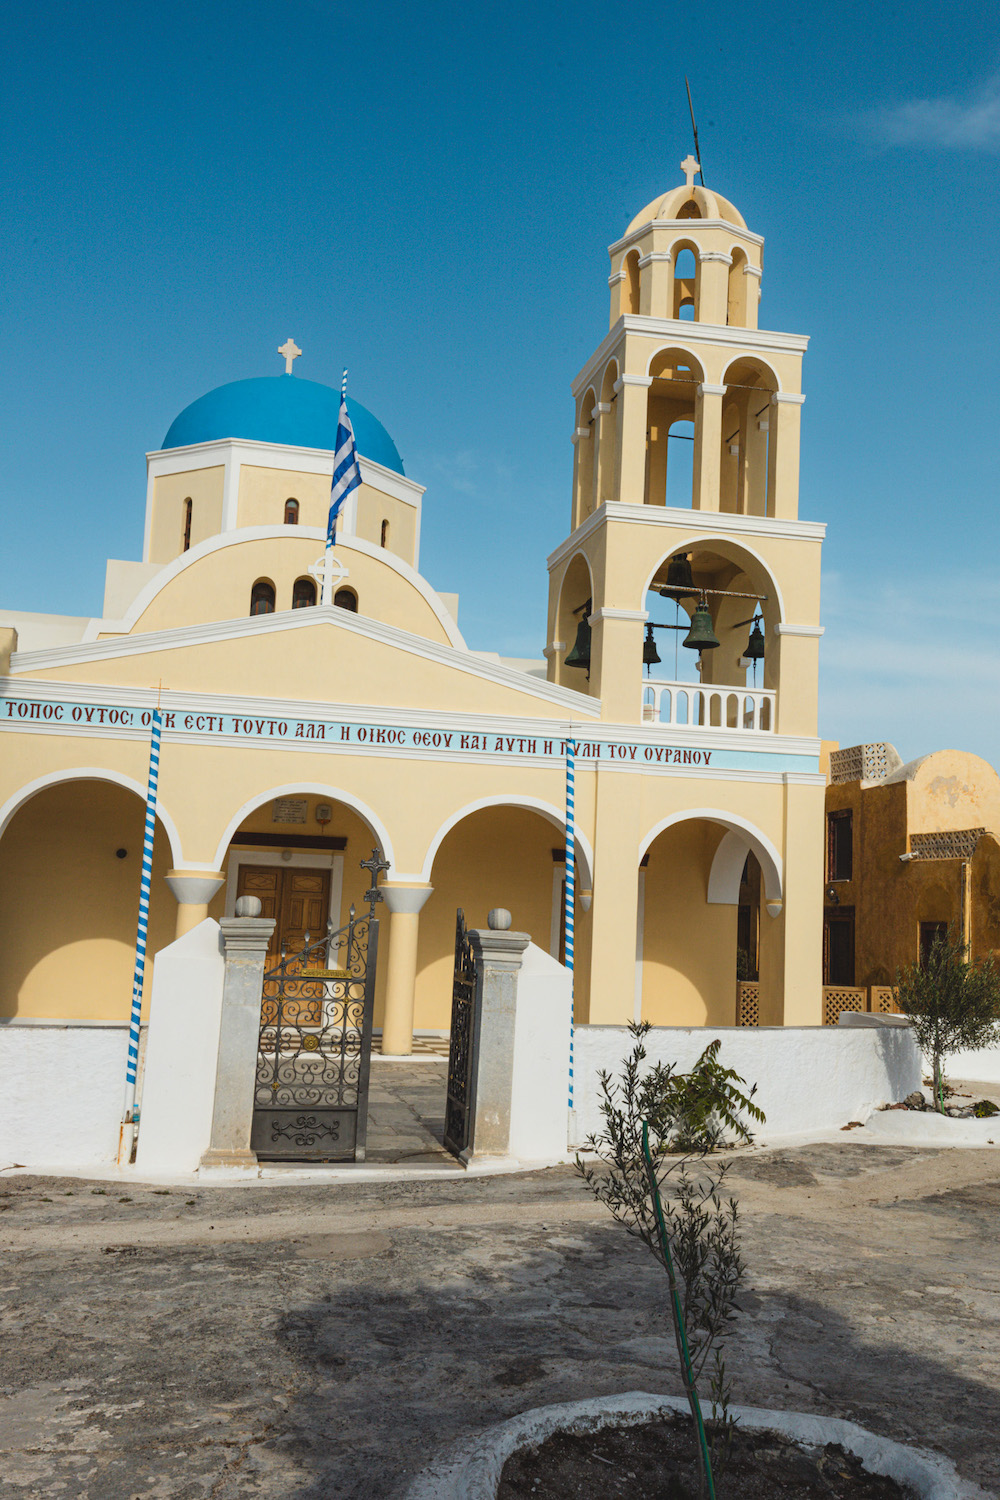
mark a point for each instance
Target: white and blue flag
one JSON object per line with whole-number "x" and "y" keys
{"x": 346, "y": 469}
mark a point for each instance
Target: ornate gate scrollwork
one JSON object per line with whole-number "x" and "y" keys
{"x": 461, "y": 1056}
{"x": 314, "y": 1050}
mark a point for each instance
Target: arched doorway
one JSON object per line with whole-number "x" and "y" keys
{"x": 70, "y": 863}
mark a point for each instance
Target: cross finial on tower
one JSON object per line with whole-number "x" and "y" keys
{"x": 689, "y": 167}
{"x": 290, "y": 351}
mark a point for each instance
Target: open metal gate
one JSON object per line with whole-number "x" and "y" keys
{"x": 462, "y": 1052}
{"x": 314, "y": 1051}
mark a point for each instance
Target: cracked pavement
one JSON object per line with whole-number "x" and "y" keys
{"x": 325, "y": 1340}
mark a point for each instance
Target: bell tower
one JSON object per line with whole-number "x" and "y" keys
{"x": 684, "y": 508}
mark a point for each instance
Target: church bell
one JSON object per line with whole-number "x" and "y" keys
{"x": 579, "y": 656}
{"x": 680, "y": 580}
{"x": 650, "y": 656}
{"x": 755, "y": 645}
{"x": 701, "y": 637}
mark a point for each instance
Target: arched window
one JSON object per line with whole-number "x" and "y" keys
{"x": 303, "y": 593}
{"x": 630, "y": 287}
{"x": 188, "y": 508}
{"x": 690, "y": 210}
{"x": 385, "y": 533}
{"x": 346, "y": 599}
{"x": 262, "y": 597}
{"x": 291, "y": 512}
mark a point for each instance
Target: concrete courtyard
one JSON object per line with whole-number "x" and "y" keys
{"x": 324, "y": 1339}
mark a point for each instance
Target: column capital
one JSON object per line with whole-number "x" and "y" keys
{"x": 751, "y": 270}
{"x": 719, "y": 255}
{"x": 193, "y": 887}
{"x": 406, "y": 900}
{"x": 579, "y": 433}
{"x": 644, "y": 260}
{"x": 786, "y": 398}
{"x": 602, "y": 407}
{"x": 705, "y": 389}
{"x": 606, "y": 612}
{"x": 643, "y": 380}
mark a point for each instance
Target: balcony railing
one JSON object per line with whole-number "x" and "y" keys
{"x": 709, "y": 707}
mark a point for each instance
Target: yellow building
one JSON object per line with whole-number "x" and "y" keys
{"x": 297, "y": 733}
{"x": 913, "y": 852}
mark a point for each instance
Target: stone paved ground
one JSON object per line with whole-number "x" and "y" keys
{"x": 317, "y": 1341}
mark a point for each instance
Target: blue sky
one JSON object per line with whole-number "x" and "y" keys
{"x": 427, "y": 193}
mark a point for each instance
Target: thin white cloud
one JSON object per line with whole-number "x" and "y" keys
{"x": 970, "y": 125}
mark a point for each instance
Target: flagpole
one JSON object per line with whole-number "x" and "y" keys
{"x": 569, "y": 894}
{"x": 128, "y": 1126}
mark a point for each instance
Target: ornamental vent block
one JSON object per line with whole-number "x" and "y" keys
{"x": 863, "y": 763}
{"x": 960, "y": 843}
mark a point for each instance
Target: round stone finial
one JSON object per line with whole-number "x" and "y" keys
{"x": 499, "y": 919}
{"x": 248, "y": 906}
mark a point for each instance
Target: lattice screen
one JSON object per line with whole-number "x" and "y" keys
{"x": 884, "y": 1000}
{"x": 863, "y": 763}
{"x": 959, "y": 843}
{"x": 747, "y": 1002}
{"x": 836, "y": 999}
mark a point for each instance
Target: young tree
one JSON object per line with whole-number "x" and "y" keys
{"x": 951, "y": 1004}
{"x": 662, "y": 1126}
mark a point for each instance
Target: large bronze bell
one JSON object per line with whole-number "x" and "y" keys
{"x": 650, "y": 656}
{"x": 680, "y": 579}
{"x": 579, "y": 656}
{"x": 701, "y": 636}
{"x": 755, "y": 645}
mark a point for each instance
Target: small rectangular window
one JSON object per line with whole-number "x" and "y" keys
{"x": 840, "y": 845}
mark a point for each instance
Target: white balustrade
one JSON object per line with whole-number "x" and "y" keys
{"x": 708, "y": 707}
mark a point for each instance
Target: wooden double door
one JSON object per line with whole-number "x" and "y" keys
{"x": 299, "y": 901}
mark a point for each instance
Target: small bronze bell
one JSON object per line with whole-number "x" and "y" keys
{"x": 701, "y": 637}
{"x": 579, "y": 656}
{"x": 650, "y": 656}
{"x": 680, "y": 580}
{"x": 755, "y": 645}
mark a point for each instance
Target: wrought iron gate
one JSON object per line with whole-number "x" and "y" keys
{"x": 314, "y": 1052}
{"x": 462, "y": 1052}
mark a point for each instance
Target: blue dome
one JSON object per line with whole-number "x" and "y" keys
{"x": 281, "y": 409}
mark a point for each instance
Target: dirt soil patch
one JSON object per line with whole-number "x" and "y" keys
{"x": 656, "y": 1461}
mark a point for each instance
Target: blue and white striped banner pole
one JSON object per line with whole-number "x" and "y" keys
{"x": 145, "y": 884}
{"x": 569, "y": 895}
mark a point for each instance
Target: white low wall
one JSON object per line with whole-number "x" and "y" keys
{"x": 808, "y": 1077}
{"x": 64, "y": 1086}
{"x": 981, "y": 1066}
{"x": 540, "y": 1092}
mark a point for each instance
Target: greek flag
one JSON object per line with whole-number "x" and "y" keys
{"x": 346, "y": 470}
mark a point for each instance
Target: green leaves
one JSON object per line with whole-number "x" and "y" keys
{"x": 951, "y": 1004}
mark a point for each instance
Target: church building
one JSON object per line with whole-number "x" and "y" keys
{"x": 680, "y": 653}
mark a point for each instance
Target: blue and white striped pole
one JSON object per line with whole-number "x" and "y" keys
{"x": 145, "y": 884}
{"x": 569, "y": 896}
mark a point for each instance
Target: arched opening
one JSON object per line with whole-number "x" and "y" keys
{"x": 670, "y": 418}
{"x": 630, "y": 286}
{"x": 346, "y": 599}
{"x": 262, "y": 597}
{"x": 702, "y": 881}
{"x": 686, "y": 278}
{"x": 188, "y": 513}
{"x": 525, "y": 872}
{"x": 585, "y": 442}
{"x": 746, "y": 458}
{"x": 689, "y": 210}
{"x": 726, "y": 686}
{"x": 576, "y": 590}
{"x": 303, "y": 593}
{"x": 384, "y": 538}
{"x": 299, "y": 853}
{"x": 736, "y": 311}
{"x": 70, "y": 867}
{"x": 291, "y": 512}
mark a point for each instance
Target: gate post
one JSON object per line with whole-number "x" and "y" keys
{"x": 498, "y": 953}
{"x": 245, "y": 938}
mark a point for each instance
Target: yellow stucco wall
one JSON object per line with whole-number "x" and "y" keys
{"x": 204, "y": 487}
{"x": 70, "y": 907}
{"x": 689, "y": 966}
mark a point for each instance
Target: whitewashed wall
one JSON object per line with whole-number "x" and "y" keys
{"x": 540, "y": 1091}
{"x": 64, "y": 1085}
{"x": 808, "y": 1077}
